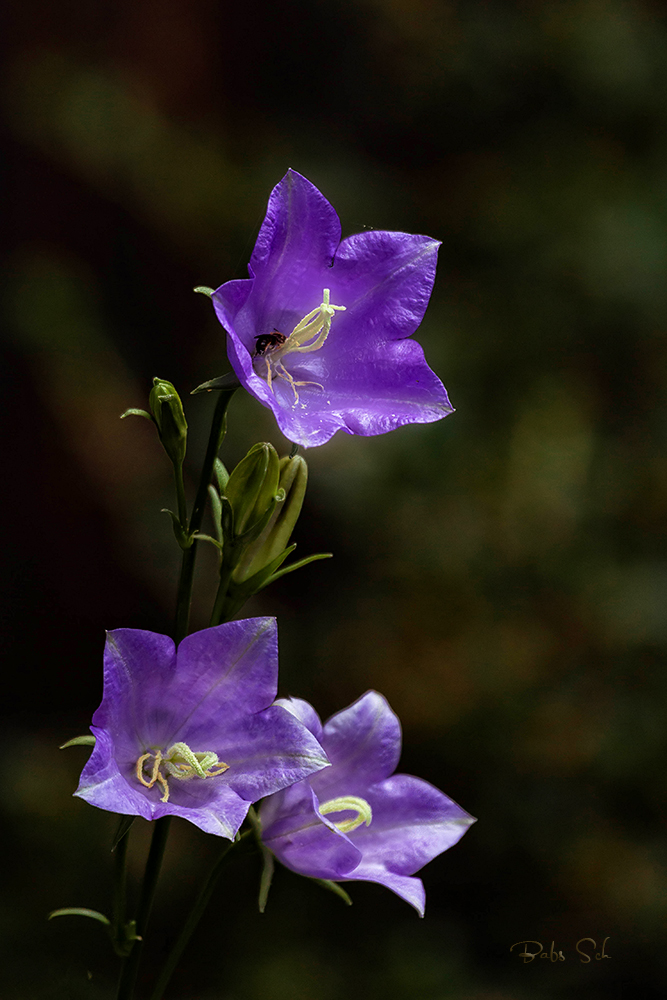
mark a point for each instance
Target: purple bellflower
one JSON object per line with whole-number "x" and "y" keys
{"x": 192, "y": 731}
{"x": 357, "y": 820}
{"x": 319, "y": 332}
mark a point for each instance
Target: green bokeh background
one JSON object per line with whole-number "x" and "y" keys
{"x": 501, "y": 576}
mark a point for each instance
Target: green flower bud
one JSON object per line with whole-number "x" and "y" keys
{"x": 253, "y": 486}
{"x": 275, "y": 537}
{"x": 167, "y": 410}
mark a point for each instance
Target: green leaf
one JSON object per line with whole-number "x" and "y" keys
{"x": 221, "y": 475}
{"x": 268, "y": 868}
{"x": 79, "y": 741}
{"x": 183, "y": 539}
{"x": 80, "y": 911}
{"x": 298, "y": 565}
{"x": 216, "y": 511}
{"x": 132, "y": 412}
{"x": 253, "y": 584}
{"x": 226, "y": 383}
{"x": 123, "y": 828}
{"x": 207, "y": 538}
{"x": 335, "y": 888}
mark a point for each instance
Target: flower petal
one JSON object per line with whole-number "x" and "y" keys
{"x": 367, "y": 394}
{"x": 363, "y": 743}
{"x": 223, "y": 673}
{"x": 302, "y": 839}
{"x": 386, "y": 280}
{"x": 104, "y": 785}
{"x": 298, "y": 238}
{"x": 138, "y": 667}
{"x": 305, "y": 713}
{"x": 266, "y": 752}
{"x": 211, "y": 805}
{"x": 409, "y": 889}
{"x": 412, "y": 823}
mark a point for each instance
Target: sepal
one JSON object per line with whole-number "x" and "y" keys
{"x": 80, "y": 911}
{"x": 79, "y": 741}
{"x": 133, "y": 412}
{"x": 225, "y": 383}
{"x": 268, "y": 868}
{"x": 184, "y": 539}
{"x": 221, "y": 475}
{"x": 124, "y": 824}
{"x": 334, "y": 887}
{"x": 122, "y": 938}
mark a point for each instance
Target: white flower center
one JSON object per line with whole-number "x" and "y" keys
{"x": 349, "y": 803}
{"x": 308, "y": 335}
{"x": 178, "y": 762}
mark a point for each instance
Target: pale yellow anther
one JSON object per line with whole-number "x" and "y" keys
{"x": 349, "y": 803}
{"x": 181, "y": 763}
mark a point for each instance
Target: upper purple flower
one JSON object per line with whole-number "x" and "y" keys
{"x": 192, "y": 731}
{"x": 318, "y": 333}
{"x": 357, "y": 820}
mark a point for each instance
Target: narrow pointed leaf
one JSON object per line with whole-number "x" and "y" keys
{"x": 268, "y": 868}
{"x": 79, "y": 741}
{"x": 335, "y": 888}
{"x": 225, "y": 383}
{"x": 298, "y": 565}
{"x": 132, "y": 412}
{"x": 80, "y": 911}
{"x": 183, "y": 539}
{"x": 123, "y": 828}
{"x": 221, "y": 475}
{"x": 216, "y": 511}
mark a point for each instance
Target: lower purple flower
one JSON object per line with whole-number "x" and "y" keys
{"x": 193, "y": 731}
{"x": 357, "y": 820}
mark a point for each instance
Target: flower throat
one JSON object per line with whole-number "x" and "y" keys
{"x": 177, "y": 762}
{"x": 308, "y": 335}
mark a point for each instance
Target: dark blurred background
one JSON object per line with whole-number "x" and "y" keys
{"x": 501, "y": 576}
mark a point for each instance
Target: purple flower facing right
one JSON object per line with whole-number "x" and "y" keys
{"x": 321, "y": 331}
{"x": 357, "y": 820}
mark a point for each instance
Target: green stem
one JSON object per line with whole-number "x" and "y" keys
{"x": 220, "y": 606}
{"x": 180, "y": 497}
{"x": 215, "y": 439}
{"x": 194, "y": 917}
{"x": 119, "y": 885}
{"x": 130, "y": 969}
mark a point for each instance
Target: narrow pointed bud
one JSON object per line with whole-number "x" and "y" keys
{"x": 253, "y": 486}
{"x": 167, "y": 410}
{"x": 275, "y": 537}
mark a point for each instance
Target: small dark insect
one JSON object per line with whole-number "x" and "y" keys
{"x": 268, "y": 340}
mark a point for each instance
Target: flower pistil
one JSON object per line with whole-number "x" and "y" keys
{"x": 308, "y": 335}
{"x": 179, "y": 762}
{"x": 349, "y": 803}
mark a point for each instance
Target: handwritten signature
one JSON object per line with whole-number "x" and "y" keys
{"x": 554, "y": 955}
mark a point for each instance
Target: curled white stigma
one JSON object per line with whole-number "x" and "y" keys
{"x": 349, "y": 803}
{"x": 308, "y": 335}
{"x": 178, "y": 762}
